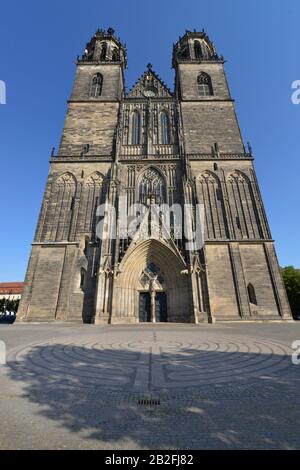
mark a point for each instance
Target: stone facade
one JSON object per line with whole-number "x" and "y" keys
{"x": 152, "y": 145}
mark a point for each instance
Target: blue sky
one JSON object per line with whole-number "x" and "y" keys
{"x": 40, "y": 40}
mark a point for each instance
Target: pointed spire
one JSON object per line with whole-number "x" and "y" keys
{"x": 249, "y": 148}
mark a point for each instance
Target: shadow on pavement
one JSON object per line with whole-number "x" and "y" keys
{"x": 92, "y": 392}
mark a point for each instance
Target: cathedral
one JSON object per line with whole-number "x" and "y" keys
{"x": 104, "y": 251}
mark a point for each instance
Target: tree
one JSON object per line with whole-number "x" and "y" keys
{"x": 9, "y": 305}
{"x": 2, "y": 305}
{"x": 291, "y": 277}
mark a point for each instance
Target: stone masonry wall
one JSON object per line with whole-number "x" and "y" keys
{"x": 89, "y": 123}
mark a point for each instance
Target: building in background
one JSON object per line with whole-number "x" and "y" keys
{"x": 11, "y": 290}
{"x": 162, "y": 146}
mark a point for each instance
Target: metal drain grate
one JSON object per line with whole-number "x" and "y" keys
{"x": 148, "y": 402}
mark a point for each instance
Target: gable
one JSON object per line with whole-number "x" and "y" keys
{"x": 149, "y": 85}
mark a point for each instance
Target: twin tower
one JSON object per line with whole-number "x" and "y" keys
{"x": 152, "y": 147}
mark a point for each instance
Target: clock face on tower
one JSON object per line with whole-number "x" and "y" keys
{"x": 150, "y": 91}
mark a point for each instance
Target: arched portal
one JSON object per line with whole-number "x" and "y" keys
{"x": 152, "y": 267}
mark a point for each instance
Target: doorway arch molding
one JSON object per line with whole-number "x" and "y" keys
{"x": 127, "y": 284}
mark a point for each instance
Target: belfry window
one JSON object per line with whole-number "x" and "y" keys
{"x": 164, "y": 128}
{"x": 96, "y": 86}
{"x": 135, "y": 128}
{"x": 204, "y": 85}
{"x": 184, "y": 53}
{"x": 115, "y": 55}
{"x": 103, "y": 51}
{"x": 251, "y": 294}
{"x": 197, "y": 50}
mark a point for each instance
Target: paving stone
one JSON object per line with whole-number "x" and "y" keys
{"x": 228, "y": 387}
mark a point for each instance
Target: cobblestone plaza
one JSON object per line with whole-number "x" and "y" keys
{"x": 230, "y": 386}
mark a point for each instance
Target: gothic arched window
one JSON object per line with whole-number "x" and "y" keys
{"x": 164, "y": 128}
{"x": 115, "y": 55}
{"x": 197, "y": 50}
{"x": 244, "y": 206}
{"x": 152, "y": 274}
{"x": 251, "y": 294}
{"x": 90, "y": 199}
{"x": 96, "y": 86}
{"x": 151, "y": 188}
{"x": 184, "y": 53}
{"x": 210, "y": 192}
{"x": 103, "y": 51}
{"x": 135, "y": 128}
{"x": 204, "y": 85}
{"x": 59, "y": 216}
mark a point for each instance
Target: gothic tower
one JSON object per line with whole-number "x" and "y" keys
{"x": 105, "y": 249}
